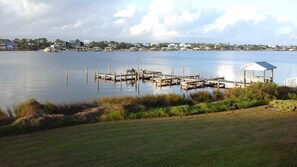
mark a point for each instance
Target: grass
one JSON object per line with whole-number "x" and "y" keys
{"x": 252, "y": 137}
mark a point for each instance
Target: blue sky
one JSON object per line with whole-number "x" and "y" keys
{"x": 213, "y": 21}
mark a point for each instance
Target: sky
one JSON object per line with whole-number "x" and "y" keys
{"x": 271, "y": 22}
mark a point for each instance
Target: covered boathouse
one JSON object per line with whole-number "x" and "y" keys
{"x": 258, "y": 72}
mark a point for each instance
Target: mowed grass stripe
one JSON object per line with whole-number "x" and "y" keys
{"x": 252, "y": 137}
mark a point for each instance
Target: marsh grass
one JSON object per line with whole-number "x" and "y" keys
{"x": 146, "y": 101}
{"x": 201, "y": 96}
{"x": 32, "y": 115}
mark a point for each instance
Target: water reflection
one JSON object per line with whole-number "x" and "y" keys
{"x": 42, "y": 75}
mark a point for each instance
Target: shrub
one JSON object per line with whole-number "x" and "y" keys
{"x": 87, "y": 116}
{"x": 218, "y": 95}
{"x": 260, "y": 91}
{"x": 285, "y": 93}
{"x": 130, "y": 115}
{"x": 292, "y": 96}
{"x": 112, "y": 116}
{"x": 201, "y": 96}
{"x": 178, "y": 110}
{"x": 284, "y": 105}
{"x": 152, "y": 114}
{"x": 232, "y": 93}
{"x": 250, "y": 103}
{"x": 68, "y": 108}
{"x": 219, "y": 106}
{"x": 202, "y": 108}
{"x": 33, "y": 123}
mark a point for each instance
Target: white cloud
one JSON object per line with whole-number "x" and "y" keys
{"x": 161, "y": 21}
{"x": 75, "y": 25}
{"x": 120, "y": 21}
{"x": 249, "y": 21}
{"x": 234, "y": 14}
{"x": 128, "y": 12}
{"x": 25, "y": 8}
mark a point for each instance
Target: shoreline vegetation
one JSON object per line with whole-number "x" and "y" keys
{"x": 32, "y": 115}
{"x": 78, "y": 45}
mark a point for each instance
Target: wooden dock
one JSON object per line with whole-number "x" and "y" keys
{"x": 115, "y": 77}
{"x": 186, "y": 82}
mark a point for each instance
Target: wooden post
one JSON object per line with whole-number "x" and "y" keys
{"x": 272, "y": 75}
{"x": 264, "y": 76}
{"x": 244, "y": 77}
{"x": 183, "y": 71}
{"x": 115, "y": 77}
{"x": 253, "y": 75}
{"x": 98, "y": 76}
{"x": 66, "y": 73}
{"x": 121, "y": 81}
{"x": 153, "y": 77}
{"x": 87, "y": 75}
{"x": 219, "y": 84}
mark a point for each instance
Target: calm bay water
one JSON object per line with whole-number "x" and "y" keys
{"x": 41, "y": 75}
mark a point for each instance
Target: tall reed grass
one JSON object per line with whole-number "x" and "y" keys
{"x": 32, "y": 115}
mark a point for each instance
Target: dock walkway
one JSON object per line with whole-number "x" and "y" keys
{"x": 186, "y": 82}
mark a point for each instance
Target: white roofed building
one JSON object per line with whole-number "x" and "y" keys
{"x": 258, "y": 72}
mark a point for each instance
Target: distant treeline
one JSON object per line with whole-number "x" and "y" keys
{"x": 41, "y": 43}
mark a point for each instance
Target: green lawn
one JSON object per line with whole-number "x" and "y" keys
{"x": 252, "y": 137}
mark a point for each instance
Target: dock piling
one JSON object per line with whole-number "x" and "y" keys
{"x": 66, "y": 74}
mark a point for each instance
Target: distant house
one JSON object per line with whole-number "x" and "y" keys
{"x": 173, "y": 46}
{"x": 154, "y": 49}
{"x": 146, "y": 45}
{"x": 154, "y": 45}
{"x": 8, "y": 46}
{"x": 2, "y": 46}
{"x": 81, "y": 49}
{"x": 137, "y": 45}
{"x": 133, "y": 49}
{"x": 96, "y": 49}
{"x": 184, "y": 46}
{"x": 108, "y": 49}
{"x": 62, "y": 44}
{"x": 143, "y": 49}
{"x": 196, "y": 48}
